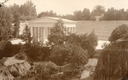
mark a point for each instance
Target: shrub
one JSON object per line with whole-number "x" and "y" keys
{"x": 42, "y": 71}
{"x": 86, "y": 42}
{"x": 57, "y": 35}
{"x": 7, "y": 49}
{"x": 64, "y": 54}
{"x": 89, "y": 43}
{"x": 112, "y": 63}
{"x": 119, "y": 32}
{"x": 36, "y": 52}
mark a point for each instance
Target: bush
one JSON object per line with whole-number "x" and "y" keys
{"x": 7, "y": 49}
{"x": 57, "y": 35}
{"x": 36, "y": 52}
{"x": 86, "y": 42}
{"x": 112, "y": 64}
{"x": 119, "y": 32}
{"x": 42, "y": 71}
{"x": 64, "y": 54}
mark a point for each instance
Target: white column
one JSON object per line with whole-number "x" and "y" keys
{"x": 31, "y": 31}
{"x": 38, "y": 34}
{"x": 36, "y": 29}
{"x": 74, "y": 29}
{"x": 44, "y": 34}
{"x": 34, "y": 33}
{"x": 71, "y": 30}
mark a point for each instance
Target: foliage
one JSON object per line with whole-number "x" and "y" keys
{"x": 119, "y": 32}
{"x": 42, "y": 71}
{"x": 8, "y": 49}
{"x": 5, "y": 23}
{"x": 47, "y": 13}
{"x": 57, "y": 35}
{"x": 82, "y": 15}
{"x": 112, "y": 63}
{"x": 69, "y": 54}
{"x": 26, "y": 36}
{"x": 59, "y": 54}
{"x": 64, "y": 54}
{"x": 36, "y": 52}
{"x": 6, "y": 19}
{"x": 16, "y": 18}
{"x": 92, "y": 43}
{"x": 114, "y": 14}
{"x": 86, "y": 42}
{"x": 73, "y": 39}
{"x": 28, "y": 10}
{"x": 109, "y": 14}
{"x": 98, "y": 10}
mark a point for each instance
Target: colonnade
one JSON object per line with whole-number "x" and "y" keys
{"x": 41, "y": 33}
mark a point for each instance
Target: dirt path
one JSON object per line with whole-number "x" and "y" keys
{"x": 89, "y": 69}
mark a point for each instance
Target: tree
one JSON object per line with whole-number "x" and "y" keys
{"x": 92, "y": 43}
{"x": 98, "y": 10}
{"x": 57, "y": 35}
{"x": 73, "y": 39}
{"x": 110, "y": 14}
{"x": 86, "y": 14}
{"x": 16, "y": 15}
{"x": 78, "y": 15}
{"x": 26, "y": 36}
{"x": 68, "y": 54}
{"x": 5, "y": 22}
{"x": 28, "y": 11}
{"x": 119, "y": 32}
{"x": 47, "y": 13}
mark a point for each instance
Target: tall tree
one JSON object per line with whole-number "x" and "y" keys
{"x": 5, "y": 22}
{"x": 86, "y": 14}
{"x": 78, "y": 15}
{"x": 28, "y": 11}
{"x": 16, "y": 15}
{"x": 57, "y": 35}
{"x": 110, "y": 14}
{"x": 98, "y": 10}
{"x": 26, "y": 36}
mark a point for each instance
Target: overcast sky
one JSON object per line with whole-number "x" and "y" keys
{"x": 69, "y": 6}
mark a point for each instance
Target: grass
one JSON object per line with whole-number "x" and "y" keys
{"x": 102, "y": 29}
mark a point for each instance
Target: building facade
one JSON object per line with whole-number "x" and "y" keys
{"x": 40, "y": 27}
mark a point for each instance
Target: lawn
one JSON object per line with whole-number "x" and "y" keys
{"x": 103, "y": 29}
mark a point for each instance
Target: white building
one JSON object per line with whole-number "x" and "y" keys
{"x": 40, "y": 27}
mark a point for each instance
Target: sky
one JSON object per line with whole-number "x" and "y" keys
{"x": 63, "y": 7}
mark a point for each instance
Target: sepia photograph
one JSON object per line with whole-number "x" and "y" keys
{"x": 63, "y": 39}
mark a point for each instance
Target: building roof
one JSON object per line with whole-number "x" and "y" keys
{"x": 50, "y": 22}
{"x": 50, "y": 19}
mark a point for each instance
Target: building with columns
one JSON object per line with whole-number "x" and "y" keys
{"x": 40, "y": 27}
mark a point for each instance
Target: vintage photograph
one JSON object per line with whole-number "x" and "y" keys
{"x": 63, "y": 39}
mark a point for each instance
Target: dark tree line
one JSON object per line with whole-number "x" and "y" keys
{"x": 114, "y": 14}
{"x": 86, "y": 14}
{"x": 47, "y": 13}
